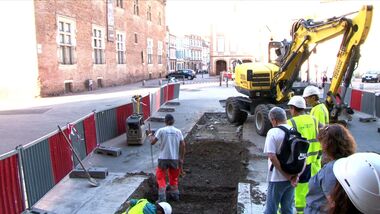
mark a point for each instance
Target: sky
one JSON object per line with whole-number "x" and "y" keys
{"x": 269, "y": 17}
{"x": 195, "y": 16}
{"x": 184, "y": 16}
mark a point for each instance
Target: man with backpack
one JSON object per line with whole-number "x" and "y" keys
{"x": 280, "y": 183}
{"x": 307, "y": 126}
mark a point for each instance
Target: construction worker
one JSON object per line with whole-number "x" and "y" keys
{"x": 170, "y": 160}
{"x": 143, "y": 206}
{"x": 307, "y": 126}
{"x": 319, "y": 110}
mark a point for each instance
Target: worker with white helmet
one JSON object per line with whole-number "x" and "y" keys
{"x": 358, "y": 178}
{"x": 143, "y": 206}
{"x": 319, "y": 110}
{"x": 307, "y": 125}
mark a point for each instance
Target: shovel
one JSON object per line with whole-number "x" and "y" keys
{"x": 92, "y": 181}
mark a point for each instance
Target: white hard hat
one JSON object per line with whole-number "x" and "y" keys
{"x": 359, "y": 175}
{"x": 166, "y": 207}
{"x": 311, "y": 90}
{"x": 297, "y": 101}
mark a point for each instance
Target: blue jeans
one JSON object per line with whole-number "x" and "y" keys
{"x": 282, "y": 193}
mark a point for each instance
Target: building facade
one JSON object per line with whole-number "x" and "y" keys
{"x": 171, "y": 52}
{"x": 103, "y": 42}
{"x": 225, "y": 51}
{"x": 205, "y": 55}
{"x": 195, "y": 48}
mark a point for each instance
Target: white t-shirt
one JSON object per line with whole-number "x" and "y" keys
{"x": 273, "y": 141}
{"x": 169, "y": 139}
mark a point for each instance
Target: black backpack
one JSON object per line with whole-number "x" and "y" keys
{"x": 293, "y": 151}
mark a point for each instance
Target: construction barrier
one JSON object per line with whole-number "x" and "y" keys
{"x": 145, "y": 102}
{"x": 356, "y": 99}
{"x": 10, "y": 189}
{"x": 89, "y": 126}
{"x": 122, "y": 113}
{"x": 47, "y": 160}
{"x": 37, "y": 168}
{"x": 106, "y": 125}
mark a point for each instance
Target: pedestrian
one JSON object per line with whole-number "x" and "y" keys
{"x": 307, "y": 126}
{"x": 337, "y": 142}
{"x": 324, "y": 80}
{"x": 143, "y": 206}
{"x": 90, "y": 83}
{"x": 170, "y": 160}
{"x": 280, "y": 189}
{"x": 319, "y": 110}
{"x": 357, "y": 189}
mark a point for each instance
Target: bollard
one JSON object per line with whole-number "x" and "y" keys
{"x": 227, "y": 81}
{"x": 143, "y": 83}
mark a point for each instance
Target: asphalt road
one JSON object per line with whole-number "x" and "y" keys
{"x": 24, "y": 121}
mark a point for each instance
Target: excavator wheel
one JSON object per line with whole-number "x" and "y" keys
{"x": 270, "y": 106}
{"x": 233, "y": 112}
{"x": 262, "y": 122}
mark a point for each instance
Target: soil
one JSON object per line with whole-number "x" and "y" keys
{"x": 216, "y": 160}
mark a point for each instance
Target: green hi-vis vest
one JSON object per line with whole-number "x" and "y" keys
{"x": 320, "y": 113}
{"x": 307, "y": 126}
{"x": 138, "y": 208}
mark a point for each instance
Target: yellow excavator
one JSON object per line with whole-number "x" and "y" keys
{"x": 271, "y": 84}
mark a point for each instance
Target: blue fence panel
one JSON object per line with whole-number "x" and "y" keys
{"x": 79, "y": 143}
{"x": 38, "y": 172}
{"x": 176, "y": 90}
{"x": 378, "y": 106}
{"x": 163, "y": 95}
{"x": 368, "y": 102}
{"x": 106, "y": 125}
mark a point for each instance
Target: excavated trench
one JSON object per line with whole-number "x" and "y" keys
{"x": 215, "y": 162}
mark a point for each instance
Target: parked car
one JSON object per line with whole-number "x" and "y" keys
{"x": 371, "y": 76}
{"x": 186, "y": 73}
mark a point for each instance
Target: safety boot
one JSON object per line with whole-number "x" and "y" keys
{"x": 161, "y": 195}
{"x": 173, "y": 192}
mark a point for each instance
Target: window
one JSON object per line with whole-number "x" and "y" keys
{"x": 159, "y": 18}
{"x": 149, "y": 13}
{"x": 136, "y": 7}
{"x": 136, "y": 39}
{"x": 66, "y": 41}
{"x": 142, "y": 56}
{"x": 98, "y": 45}
{"x": 150, "y": 51}
{"x": 159, "y": 52}
{"x": 119, "y": 3}
{"x": 120, "y": 48}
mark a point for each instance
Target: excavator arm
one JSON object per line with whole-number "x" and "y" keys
{"x": 347, "y": 61}
{"x": 306, "y": 35}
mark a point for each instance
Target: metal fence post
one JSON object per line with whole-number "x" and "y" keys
{"x": 96, "y": 128}
{"x": 24, "y": 196}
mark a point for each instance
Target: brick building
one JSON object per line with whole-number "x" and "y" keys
{"x": 106, "y": 42}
